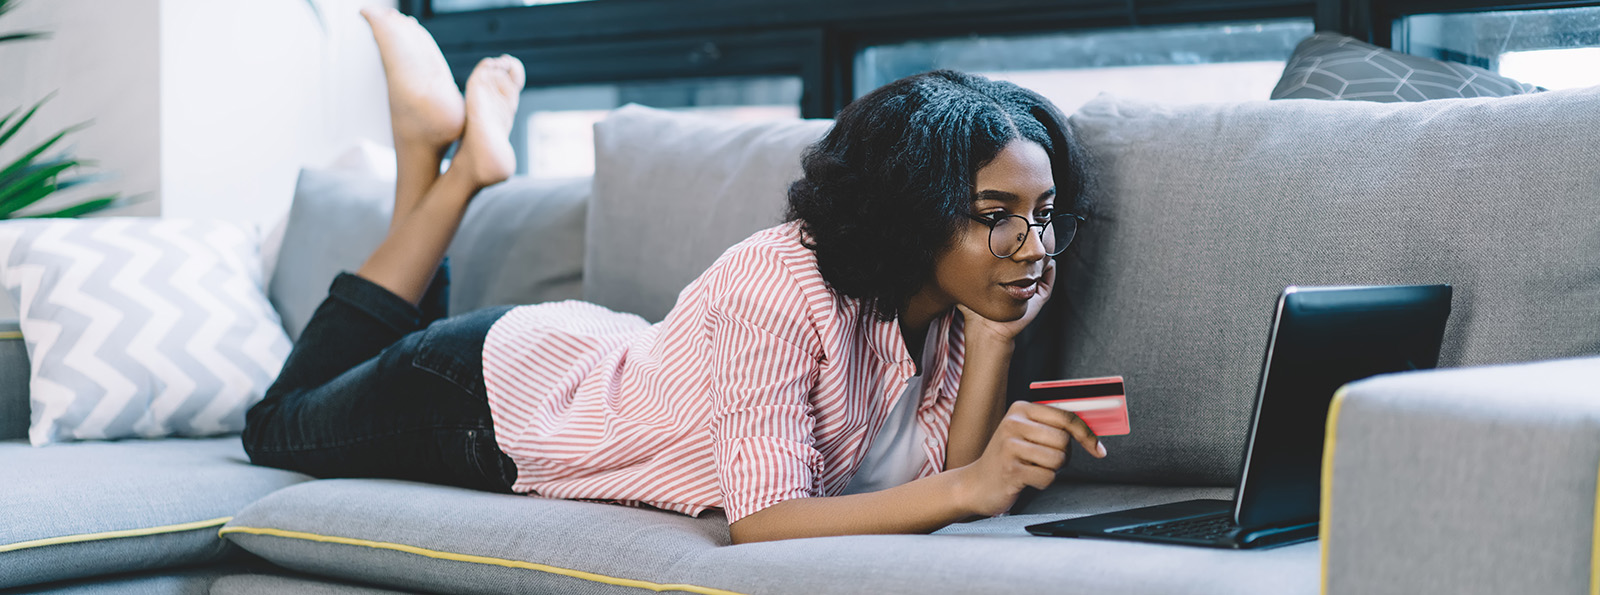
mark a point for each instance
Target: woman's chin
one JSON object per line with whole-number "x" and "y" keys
{"x": 1001, "y": 312}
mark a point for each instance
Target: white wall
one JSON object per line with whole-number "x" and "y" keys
{"x": 207, "y": 108}
{"x": 253, "y": 91}
{"x": 102, "y": 60}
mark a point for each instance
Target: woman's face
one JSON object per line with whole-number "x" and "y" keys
{"x": 1017, "y": 182}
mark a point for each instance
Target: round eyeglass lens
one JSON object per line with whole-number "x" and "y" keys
{"x": 1007, "y": 236}
{"x": 1059, "y": 233}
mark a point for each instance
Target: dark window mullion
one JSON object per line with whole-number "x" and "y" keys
{"x": 666, "y": 58}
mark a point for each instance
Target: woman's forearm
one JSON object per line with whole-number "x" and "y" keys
{"x": 921, "y": 506}
{"x": 980, "y": 401}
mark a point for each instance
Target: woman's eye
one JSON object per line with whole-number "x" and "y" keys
{"x": 1047, "y": 214}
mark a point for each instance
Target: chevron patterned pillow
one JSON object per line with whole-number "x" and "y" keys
{"x": 140, "y": 327}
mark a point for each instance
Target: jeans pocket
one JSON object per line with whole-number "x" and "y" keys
{"x": 450, "y": 357}
{"x": 452, "y": 348}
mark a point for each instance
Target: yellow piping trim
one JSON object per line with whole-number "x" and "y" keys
{"x": 1594, "y": 552}
{"x": 10, "y": 335}
{"x": 22, "y": 545}
{"x": 579, "y": 574}
{"x": 1326, "y": 504}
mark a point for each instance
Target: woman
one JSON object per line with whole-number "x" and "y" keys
{"x": 841, "y": 373}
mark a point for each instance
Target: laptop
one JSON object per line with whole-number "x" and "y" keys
{"x": 1322, "y": 338}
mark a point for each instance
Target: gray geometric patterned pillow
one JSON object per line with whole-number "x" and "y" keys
{"x": 140, "y": 327}
{"x": 1333, "y": 66}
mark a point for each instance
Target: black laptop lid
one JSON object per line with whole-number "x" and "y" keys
{"x": 1325, "y": 337}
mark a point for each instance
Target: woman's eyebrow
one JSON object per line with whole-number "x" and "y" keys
{"x": 1007, "y": 197}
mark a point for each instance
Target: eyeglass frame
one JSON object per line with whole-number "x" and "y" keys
{"x": 991, "y": 223}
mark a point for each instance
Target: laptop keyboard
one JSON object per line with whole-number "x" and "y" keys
{"x": 1203, "y": 528}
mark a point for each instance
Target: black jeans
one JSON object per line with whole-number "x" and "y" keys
{"x": 377, "y": 387}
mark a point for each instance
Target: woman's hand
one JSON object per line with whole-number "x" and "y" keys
{"x": 1026, "y": 451}
{"x": 1007, "y": 331}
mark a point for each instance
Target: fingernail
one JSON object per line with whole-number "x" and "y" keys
{"x": 1100, "y": 446}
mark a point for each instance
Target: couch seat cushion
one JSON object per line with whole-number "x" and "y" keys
{"x": 92, "y": 508}
{"x": 416, "y": 536}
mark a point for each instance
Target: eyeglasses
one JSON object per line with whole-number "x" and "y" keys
{"x": 1007, "y": 234}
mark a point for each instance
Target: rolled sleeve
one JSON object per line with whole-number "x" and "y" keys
{"x": 762, "y": 377}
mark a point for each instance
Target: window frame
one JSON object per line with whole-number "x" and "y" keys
{"x": 817, "y": 40}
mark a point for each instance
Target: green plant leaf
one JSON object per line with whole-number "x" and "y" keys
{"x": 7, "y": 118}
{"x": 31, "y": 189}
{"x": 78, "y": 181}
{"x": 28, "y": 157}
{"x": 88, "y": 206}
{"x": 24, "y": 35}
{"x": 33, "y": 166}
{"x": 6, "y": 135}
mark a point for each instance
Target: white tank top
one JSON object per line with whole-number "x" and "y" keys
{"x": 896, "y": 454}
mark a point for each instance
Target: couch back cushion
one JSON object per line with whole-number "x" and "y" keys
{"x": 1205, "y": 212}
{"x": 672, "y": 191}
{"x": 521, "y": 242}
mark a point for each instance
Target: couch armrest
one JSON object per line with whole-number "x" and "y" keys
{"x": 1467, "y": 480}
{"x": 13, "y": 382}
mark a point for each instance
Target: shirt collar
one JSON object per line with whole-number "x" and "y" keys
{"x": 890, "y": 345}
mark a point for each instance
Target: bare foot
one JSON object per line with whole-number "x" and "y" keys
{"x": 492, "y": 93}
{"x": 424, "y": 104}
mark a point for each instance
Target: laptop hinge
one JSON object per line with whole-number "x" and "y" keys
{"x": 1290, "y": 532}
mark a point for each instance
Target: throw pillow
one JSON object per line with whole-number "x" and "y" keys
{"x": 673, "y": 191}
{"x": 140, "y": 327}
{"x": 1203, "y": 213}
{"x": 521, "y": 242}
{"x": 1333, "y": 66}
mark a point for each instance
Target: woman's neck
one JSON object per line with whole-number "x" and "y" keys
{"x": 915, "y": 319}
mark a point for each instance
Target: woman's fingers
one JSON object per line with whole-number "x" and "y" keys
{"x": 1067, "y": 421}
{"x": 1039, "y": 455}
{"x": 1047, "y": 280}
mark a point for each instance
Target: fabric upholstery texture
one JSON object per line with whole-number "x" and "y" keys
{"x": 13, "y": 382}
{"x": 1205, "y": 212}
{"x": 615, "y": 542}
{"x": 1525, "y": 438}
{"x": 673, "y": 191}
{"x": 171, "y": 496}
{"x": 277, "y": 584}
{"x": 521, "y": 241}
{"x": 336, "y": 220}
{"x": 362, "y": 530}
{"x": 182, "y": 581}
{"x": 140, "y": 327}
{"x": 1334, "y": 66}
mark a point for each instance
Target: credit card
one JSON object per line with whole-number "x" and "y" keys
{"x": 1102, "y": 403}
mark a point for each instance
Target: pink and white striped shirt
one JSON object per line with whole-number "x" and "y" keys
{"x": 761, "y": 385}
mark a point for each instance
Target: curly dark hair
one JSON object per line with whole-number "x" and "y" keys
{"x": 890, "y": 186}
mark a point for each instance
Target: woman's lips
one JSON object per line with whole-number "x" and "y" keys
{"x": 1022, "y": 290}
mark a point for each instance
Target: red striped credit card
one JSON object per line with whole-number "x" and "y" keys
{"x": 1102, "y": 403}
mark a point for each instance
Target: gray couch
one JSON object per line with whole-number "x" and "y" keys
{"x": 1476, "y": 478}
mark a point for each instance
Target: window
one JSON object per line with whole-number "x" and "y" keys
{"x": 554, "y": 131}
{"x": 1555, "y": 49}
{"x": 1186, "y": 63}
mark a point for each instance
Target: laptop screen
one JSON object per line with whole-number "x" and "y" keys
{"x": 1323, "y": 338}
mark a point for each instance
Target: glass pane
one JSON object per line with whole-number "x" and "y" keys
{"x": 1189, "y": 63}
{"x": 554, "y": 131}
{"x": 1555, "y": 49}
{"x": 466, "y": 5}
